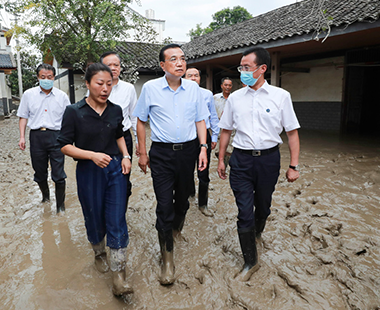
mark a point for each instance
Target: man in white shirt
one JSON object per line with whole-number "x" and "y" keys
{"x": 124, "y": 95}
{"x": 259, "y": 112}
{"x": 221, "y": 98}
{"x": 41, "y": 108}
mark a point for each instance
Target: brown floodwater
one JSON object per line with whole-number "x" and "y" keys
{"x": 320, "y": 248}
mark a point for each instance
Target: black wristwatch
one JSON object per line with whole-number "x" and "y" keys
{"x": 204, "y": 145}
{"x": 296, "y": 167}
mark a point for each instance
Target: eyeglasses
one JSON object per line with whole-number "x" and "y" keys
{"x": 174, "y": 60}
{"x": 245, "y": 68}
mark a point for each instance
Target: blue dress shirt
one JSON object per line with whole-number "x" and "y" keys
{"x": 172, "y": 114}
{"x": 213, "y": 120}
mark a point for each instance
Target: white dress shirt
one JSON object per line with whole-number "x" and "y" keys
{"x": 124, "y": 94}
{"x": 259, "y": 116}
{"x": 43, "y": 110}
{"x": 219, "y": 102}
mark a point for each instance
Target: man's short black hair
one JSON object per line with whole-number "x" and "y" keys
{"x": 46, "y": 67}
{"x": 224, "y": 79}
{"x": 104, "y": 55}
{"x": 199, "y": 71}
{"x": 166, "y": 47}
{"x": 262, "y": 55}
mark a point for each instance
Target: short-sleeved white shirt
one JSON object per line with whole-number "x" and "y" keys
{"x": 43, "y": 110}
{"x": 259, "y": 116}
{"x": 124, "y": 95}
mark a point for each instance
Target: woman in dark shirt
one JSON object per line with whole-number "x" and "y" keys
{"x": 92, "y": 133}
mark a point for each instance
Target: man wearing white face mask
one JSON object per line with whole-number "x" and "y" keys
{"x": 259, "y": 112}
{"x": 41, "y": 109}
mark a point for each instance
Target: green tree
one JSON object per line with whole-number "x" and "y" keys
{"x": 222, "y": 18}
{"x": 78, "y": 31}
{"x": 29, "y": 64}
{"x": 198, "y": 31}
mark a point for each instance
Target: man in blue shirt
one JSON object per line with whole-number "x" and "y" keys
{"x": 176, "y": 113}
{"x": 212, "y": 122}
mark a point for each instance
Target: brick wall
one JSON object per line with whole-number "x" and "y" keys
{"x": 318, "y": 115}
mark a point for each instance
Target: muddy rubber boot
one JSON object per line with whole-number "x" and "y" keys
{"x": 100, "y": 257}
{"x": 60, "y": 194}
{"x": 44, "y": 187}
{"x": 118, "y": 260}
{"x": 259, "y": 227}
{"x": 203, "y": 199}
{"x": 248, "y": 247}
{"x": 167, "y": 268}
{"x": 178, "y": 223}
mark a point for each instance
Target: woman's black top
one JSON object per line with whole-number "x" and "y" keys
{"x": 88, "y": 130}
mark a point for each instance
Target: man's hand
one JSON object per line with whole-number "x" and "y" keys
{"x": 101, "y": 160}
{"x": 126, "y": 165}
{"x": 144, "y": 162}
{"x": 213, "y": 145}
{"x": 21, "y": 144}
{"x": 202, "y": 159}
{"x": 222, "y": 170}
{"x": 292, "y": 175}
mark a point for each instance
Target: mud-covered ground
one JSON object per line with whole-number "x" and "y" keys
{"x": 320, "y": 249}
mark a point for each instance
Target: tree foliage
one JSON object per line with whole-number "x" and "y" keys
{"x": 78, "y": 31}
{"x": 29, "y": 64}
{"x": 222, "y": 18}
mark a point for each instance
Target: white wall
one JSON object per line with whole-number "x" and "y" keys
{"x": 324, "y": 82}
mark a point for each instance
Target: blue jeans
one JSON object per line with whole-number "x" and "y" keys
{"x": 102, "y": 193}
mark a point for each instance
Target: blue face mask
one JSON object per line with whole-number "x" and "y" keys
{"x": 247, "y": 78}
{"x": 46, "y": 84}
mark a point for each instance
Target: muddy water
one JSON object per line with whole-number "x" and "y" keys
{"x": 320, "y": 249}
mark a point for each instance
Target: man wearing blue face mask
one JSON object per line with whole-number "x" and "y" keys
{"x": 41, "y": 108}
{"x": 259, "y": 112}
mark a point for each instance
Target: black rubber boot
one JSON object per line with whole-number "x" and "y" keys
{"x": 60, "y": 194}
{"x": 167, "y": 268}
{"x": 44, "y": 187}
{"x": 248, "y": 247}
{"x": 259, "y": 226}
{"x": 203, "y": 199}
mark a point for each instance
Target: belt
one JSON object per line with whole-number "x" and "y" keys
{"x": 258, "y": 152}
{"x": 43, "y": 129}
{"x": 174, "y": 146}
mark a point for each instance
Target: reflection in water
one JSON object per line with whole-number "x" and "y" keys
{"x": 320, "y": 249}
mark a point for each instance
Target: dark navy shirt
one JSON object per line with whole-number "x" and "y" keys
{"x": 88, "y": 130}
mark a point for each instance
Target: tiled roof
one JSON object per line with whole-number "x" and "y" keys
{"x": 6, "y": 61}
{"x": 292, "y": 20}
{"x": 144, "y": 55}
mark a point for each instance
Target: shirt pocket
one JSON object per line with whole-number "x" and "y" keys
{"x": 271, "y": 118}
{"x": 190, "y": 111}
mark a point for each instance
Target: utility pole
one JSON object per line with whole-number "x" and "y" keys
{"x": 20, "y": 90}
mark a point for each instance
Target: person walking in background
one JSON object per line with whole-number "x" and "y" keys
{"x": 124, "y": 95}
{"x": 211, "y": 124}
{"x": 41, "y": 109}
{"x": 259, "y": 112}
{"x": 176, "y": 111}
{"x": 221, "y": 98}
{"x": 92, "y": 134}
